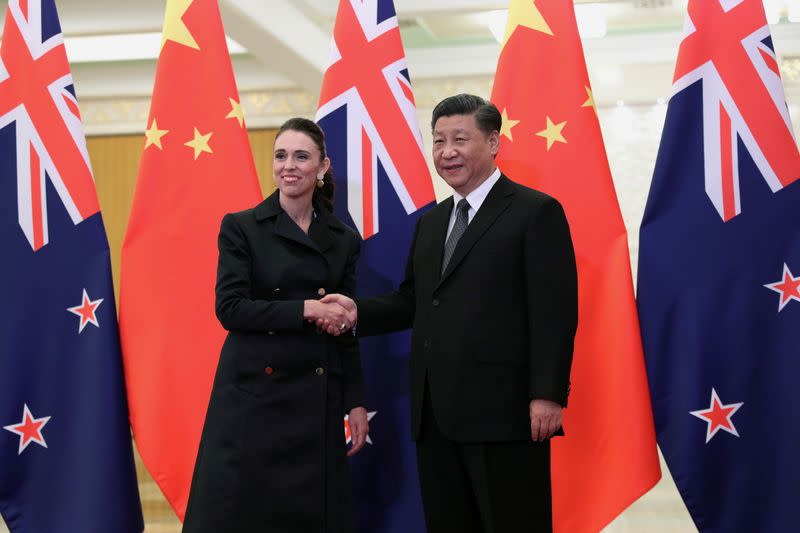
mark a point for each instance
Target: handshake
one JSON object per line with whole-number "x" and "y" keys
{"x": 334, "y": 314}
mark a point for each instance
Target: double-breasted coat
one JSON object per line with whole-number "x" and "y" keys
{"x": 272, "y": 453}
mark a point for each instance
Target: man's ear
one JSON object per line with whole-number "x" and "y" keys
{"x": 494, "y": 142}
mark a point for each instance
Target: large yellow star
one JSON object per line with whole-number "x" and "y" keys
{"x": 200, "y": 143}
{"x": 236, "y": 112}
{"x": 174, "y": 27}
{"x": 525, "y": 13}
{"x": 507, "y": 124}
{"x": 589, "y": 101}
{"x": 553, "y": 133}
{"x": 154, "y": 135}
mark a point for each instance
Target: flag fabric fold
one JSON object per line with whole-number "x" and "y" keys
{"x": 719, "y": 276}
{"x": 551, "y": 141}
{"x": 367, "y": 111}
{"x": 196, "y": 166}
{"x": 66, "y": 461}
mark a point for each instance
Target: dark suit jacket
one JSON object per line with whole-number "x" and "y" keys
{"x": 497, "y": 328}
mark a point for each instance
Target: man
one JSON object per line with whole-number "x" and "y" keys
{"x": 491, "y": 292}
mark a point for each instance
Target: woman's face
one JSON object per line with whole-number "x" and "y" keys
{"x": 296, "y": 164}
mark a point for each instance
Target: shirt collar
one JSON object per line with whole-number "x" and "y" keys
{"x": 477, "y": 196}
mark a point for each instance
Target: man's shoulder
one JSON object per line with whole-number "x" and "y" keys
{"x": 529, "y": 195}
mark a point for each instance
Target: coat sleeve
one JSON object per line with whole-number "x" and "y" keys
{"x": 393, "y": 311}
{"x": 235, "y": 307}
{"x": 552, "y": 294}
{"x": 348, "y": 344}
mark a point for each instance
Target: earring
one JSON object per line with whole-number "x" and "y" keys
{"x": 320, "y": 181}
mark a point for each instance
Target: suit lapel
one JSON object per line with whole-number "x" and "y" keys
{"x": 496, "y": 202}
{"x": 440, "y": 219}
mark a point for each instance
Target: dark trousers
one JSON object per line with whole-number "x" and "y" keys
{"x": 487, "y": 487}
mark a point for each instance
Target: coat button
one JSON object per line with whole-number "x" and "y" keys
{"x": 321, "y": 291}
{"x": 269, "y": 370}
{"x": 436, "y": 303}
{"x": 270, "y": 333}
{"x": 277, "y": 290}
{"x": 427, "y": 344}
{"x": 320, "y": 371}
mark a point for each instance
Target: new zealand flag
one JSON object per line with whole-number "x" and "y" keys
{"x": 66, "y": 462}
{"x": 368, "y": 114}
{"x": 719, "y": 277}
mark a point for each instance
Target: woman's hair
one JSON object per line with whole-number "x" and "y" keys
{"x": 323, "y": 196}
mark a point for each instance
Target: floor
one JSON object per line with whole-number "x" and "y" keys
{"x": 658, "y": 511}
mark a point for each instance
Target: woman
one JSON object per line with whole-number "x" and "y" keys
{"x": 272, "y": 454}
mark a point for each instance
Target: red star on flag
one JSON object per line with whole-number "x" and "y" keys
{"x": 86, "y": 310}
{"x": 718, "y": 416}
{"x": 347, "y": 436}
{"x": 29, "y": 430}
{"x": 788, "y": 288}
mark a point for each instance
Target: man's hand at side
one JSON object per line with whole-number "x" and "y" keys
{"x": 545, "y": 419}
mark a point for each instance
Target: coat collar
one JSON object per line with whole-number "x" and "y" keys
{"x": 322, "y": 233}
{"x": 496, "y": 202}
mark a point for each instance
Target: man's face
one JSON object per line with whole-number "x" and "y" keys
{"x": 462, "y": 153}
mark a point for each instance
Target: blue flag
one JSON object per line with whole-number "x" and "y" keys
{"x": 368, "y": 114}
{"x": 66, "y": 461}
{"x": 719, "y": 277}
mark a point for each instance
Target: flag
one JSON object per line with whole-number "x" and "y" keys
{"x": 367, "y": 111}
{"x": 196, "y": 166}
{"x": 66, "y": 460}
{"x": 551, "y": 141}
{"x": 719, "y": 276}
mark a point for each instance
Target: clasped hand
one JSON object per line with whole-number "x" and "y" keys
{"x": 329, "y": 315}
{"x": 351, "y": 314}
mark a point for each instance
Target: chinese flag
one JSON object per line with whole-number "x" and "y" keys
{"x": 551, "y": 141}
{"x": 196, "y": 166}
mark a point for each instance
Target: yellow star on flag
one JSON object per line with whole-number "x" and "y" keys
{"x": 236, "y": 112}
{"x": 525, "y": 13}
{"x": 154, "y": 135}
{"x": 200, "y": 143}
{"x": 507, "y": 124}
{"x": 553, "y": 133}
{"x": 174, "y": 27}
{"x": 589, "y": 101}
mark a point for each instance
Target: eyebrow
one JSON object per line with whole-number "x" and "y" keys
{"x": 459, "y": 130}
{"x": 283, "y": 150}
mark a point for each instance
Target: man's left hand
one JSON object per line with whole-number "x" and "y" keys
{"x": 545, "y": 419}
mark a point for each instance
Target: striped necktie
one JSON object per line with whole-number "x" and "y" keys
{"x": 455, "y": 234}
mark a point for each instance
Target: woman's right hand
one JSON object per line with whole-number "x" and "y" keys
{"x": 331, "y": 313}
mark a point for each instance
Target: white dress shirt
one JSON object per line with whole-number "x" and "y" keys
{"x": 475, "y": 199}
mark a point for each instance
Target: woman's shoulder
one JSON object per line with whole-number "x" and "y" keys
{"x": 335, "y": 223}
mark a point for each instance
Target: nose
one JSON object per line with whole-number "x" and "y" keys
{"x": 448, "y": 152}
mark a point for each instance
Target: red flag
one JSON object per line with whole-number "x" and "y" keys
{"x": 196, "y": 166}
{"x": 551, "y": 141}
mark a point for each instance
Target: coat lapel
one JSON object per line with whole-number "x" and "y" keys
{"x": 496, "y": 202}
{"x": 283, "y": 225}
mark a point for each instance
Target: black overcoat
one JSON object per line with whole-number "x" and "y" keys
{"x": 272, "y": 453}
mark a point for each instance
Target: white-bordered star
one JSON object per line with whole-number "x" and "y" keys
{"x": 788, "y": 287}
{"x": 347, "y": 436}
{"x": 29, "y": 430}
{"x": 718, "y": 416}
{"x": 86, "y": 310}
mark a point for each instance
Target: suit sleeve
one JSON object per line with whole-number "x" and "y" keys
{"x": 552, "y": 296}
{"x": 348, "y": 344}
{"x": 393, "y": 311}
{"x": 235, "y": 307}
